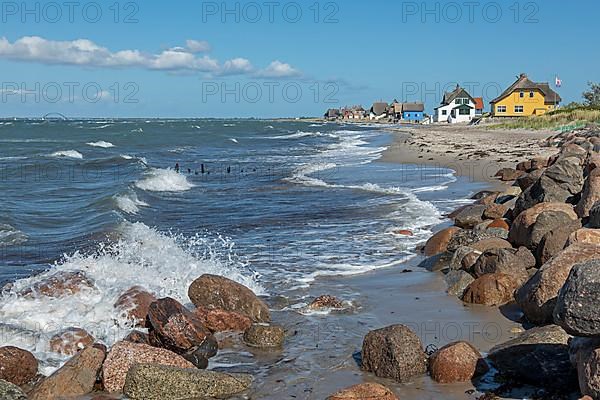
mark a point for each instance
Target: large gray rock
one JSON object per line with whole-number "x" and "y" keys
{"x": 577, "y": 308}
{"x": 394, "y": 352}
{"x": 590, "y": 194}
{"x": 458, "y": 281}
{"x": 559, "y": 183}
{"x": 468, "y": 237}
{"x": 437, "y": 262}
{"x": 457, "y": 257}
{"x": 539, "y": 356}
{"x": 513, "y": 262}
{"x": 555, "y": 240}
{"x": 586, "y": 354}
{"x": 470, "y": 216}
{"x": 159, "y": 382}
{"x": 524, "y": 232}
{"x": 594, "y": 221}
{"x": 537, "y": 297}
{"x": 9, "y": 391}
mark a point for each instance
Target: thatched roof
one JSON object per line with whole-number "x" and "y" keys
{"x": 524, "y": 83}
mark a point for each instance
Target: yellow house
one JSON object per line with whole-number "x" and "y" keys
{"x": 524, "y": 98}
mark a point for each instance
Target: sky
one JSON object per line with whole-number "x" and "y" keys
{"x": 284, "y": 58}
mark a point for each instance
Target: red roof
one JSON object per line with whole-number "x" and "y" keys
{"x": 479, "y": 103}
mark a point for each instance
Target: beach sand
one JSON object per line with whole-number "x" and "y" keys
{"x": 473, "y": 152}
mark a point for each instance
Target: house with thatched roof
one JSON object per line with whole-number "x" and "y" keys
{"x": 525, "y": 98}
{"x": 333, "y": 114}
{"x": 456, "y": 106}
{"x": 379, "y": 110}
{"x": 413, "y": 112}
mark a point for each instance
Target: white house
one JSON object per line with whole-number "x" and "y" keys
{"x": 457, "y": 106}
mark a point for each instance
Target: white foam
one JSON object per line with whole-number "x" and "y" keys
{"x": 234, "y": 140}
{"x": 126, "y": 157}
{"x": 67, "y": 154}
{"x": 10, "y": 236}
{"x": 101, "y": 143}
{"x": 164, "y": 180}
{"x": 165, "y": 264}
{"x": 129, "y": 203}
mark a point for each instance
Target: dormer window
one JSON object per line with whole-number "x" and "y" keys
{"x": 531, "y": 94}
{"x": 522, "y": 94}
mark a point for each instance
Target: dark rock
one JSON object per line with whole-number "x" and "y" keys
{"x": 555, "y": 240}
{"x": 594, "y": 221}
{"x": 175, "y": 328}
{"x": 217, "y": 292}
{"x": 159, "y": 382}
{"x": 436, "y": 263}
{"x": 458, "y": 256}
{"x": 264, "y": 336}
{"x": 137, "y": 337}
{"x": 590, "y": 194}
{"x": 537, "y": 297}
{"x": 587, "y": 361}
{"x": 394, "y": 352}
{"x": 527, "y": 180}
{"x": 539, "y": 356}
{"x": 324, "y": 302}
{"x": 456, "y": 362}
{"x": 467, "y": 237}
{"x": 577, "y": 305}
{"x": 17, "y": 366}
{"x": 507, "y": 261}
{"x": 522, "y": 227}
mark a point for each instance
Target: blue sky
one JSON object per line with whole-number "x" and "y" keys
{"x": 282, "y": 58}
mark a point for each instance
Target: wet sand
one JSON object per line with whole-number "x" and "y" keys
{"x": 322, "y": 351}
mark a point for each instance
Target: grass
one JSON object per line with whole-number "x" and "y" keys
{"x": 563, "y": 119}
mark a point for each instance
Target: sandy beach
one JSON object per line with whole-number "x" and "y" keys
{"x": 474, "y": 152}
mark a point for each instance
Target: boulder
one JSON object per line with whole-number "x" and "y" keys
{"x": 133, "y": 305}
{"x": 470, "y": 216}
{"x": 10, "y": 391}
{"x": 584, "y": 235}
{"x": 525, "y": 181}
{"x": 555, "y": 240}
{"x": 483, "y": 194}
{"x": 456, "y": 362}
{"x": 137, "y": 337}
{"x": 394, "y": 352}
{"x": 499, "y": 223}
{"x": 523, "y": 225}
{"x": 576, "y": 308}
{"x": 490, "y": 243}
{"x": 537, "y": 297}
{"x": 468, "y": 237}
{"x": 123, "y": 355}
{"x": 76, "y": 378}
{"x": 508, "y": 174}
{"x": 65, "y": 283}
{"x": 223, "y": 321}
{"x": 17, "y": 366}
{"x": 590, "y": 194}
{"x": 514, "y": 262}
{"x": 539, "y": 356}
{"x": 364, "y": 391}
{"x": 264, "y": 336}
{"x": 495, "y": 211}
{"x": 438, "y": 243}
{"x": 458, "y": 256}
{"x": 588, "y": 365}
{"x": 71, "y": 341}
{"x": 458, "y": 281}
{"x": 469, "y": 260}
{"x": 159, "y": 382}
{"x": 175, "y": 328}
{"x": 437, "y": 263}
{"x": 594, "y": 221}
{"x": 217, "y": 292}
{"x": 490, "y": 290}
{"x": 325, "y": 302}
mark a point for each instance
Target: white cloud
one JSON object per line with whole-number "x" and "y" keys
{"x": 84, "y": 52}
{"x": 277, "y": 69}
{"x": 197, "y": 46}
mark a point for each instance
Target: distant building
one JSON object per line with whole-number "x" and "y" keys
{"x": 396, "y": 110}
{"x": 479, "y": 106}
{"x": 354, "y": 113}
{"x": 413, "y": 112}
{"x": 333, "y": 114}
{"x": 379, "y": 111}
{"x": 525, "y": 98}
{"x": 456, "y": 106}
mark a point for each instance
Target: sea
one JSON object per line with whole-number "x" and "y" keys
{"x": 281, "y": 206}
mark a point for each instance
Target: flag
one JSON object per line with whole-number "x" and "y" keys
{"x": 558, "y": 81}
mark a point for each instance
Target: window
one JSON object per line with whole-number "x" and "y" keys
{"x": 518, "y": 109}
{"x": 501, "y": 109}
{"x": 457, "y": 101}
{"x": 444, "y": 112}
{"x": 531, "y": 94}
{"x": 522, "y": 94}
{"x": 464, "y": 111}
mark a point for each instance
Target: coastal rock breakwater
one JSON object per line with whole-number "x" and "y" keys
{"x": 534, "y": 246}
